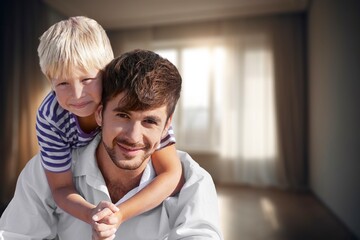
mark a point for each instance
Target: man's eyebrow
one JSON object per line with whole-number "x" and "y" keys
{"x": 119, "y": 109}
{"x": 150, "y": 116}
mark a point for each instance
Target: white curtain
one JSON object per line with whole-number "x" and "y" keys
{"x": 248, "y": 128}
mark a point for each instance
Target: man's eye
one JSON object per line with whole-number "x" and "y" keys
{"x": 122, "y": 115}
{"x": 150, "y": 121}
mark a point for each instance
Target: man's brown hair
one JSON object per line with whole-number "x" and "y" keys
{"x": 147, "y": 80}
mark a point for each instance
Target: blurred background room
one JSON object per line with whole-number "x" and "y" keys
{"x": 269, "y": 105}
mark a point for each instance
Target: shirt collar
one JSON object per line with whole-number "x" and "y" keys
{"x": 84, "y": 159}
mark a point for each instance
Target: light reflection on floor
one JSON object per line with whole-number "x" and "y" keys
{"x": 255, "y": 214}
{"x": 269, "y": 212}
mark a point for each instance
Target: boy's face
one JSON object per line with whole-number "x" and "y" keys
{"x": 130, "y": 137}
{"x": 80, "y": 94}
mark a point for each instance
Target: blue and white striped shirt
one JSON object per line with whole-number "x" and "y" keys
{"x": 58, "y": 131}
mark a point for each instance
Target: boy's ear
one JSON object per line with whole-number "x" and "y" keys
{"x": 98, "y": 115}
{"x": 52, "y": 85}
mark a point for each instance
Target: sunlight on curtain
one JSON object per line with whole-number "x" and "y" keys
{"x": 259, "y": 120}
{"x": 195, "y": 122}
{"x": 248, "y": 129}
{"x": 227, "y": 105}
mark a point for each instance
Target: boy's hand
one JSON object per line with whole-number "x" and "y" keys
{"x": 103, "y": 210}
{"x": 105, "y": 221}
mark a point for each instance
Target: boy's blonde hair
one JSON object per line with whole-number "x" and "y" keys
{"x": 75, "y": 43}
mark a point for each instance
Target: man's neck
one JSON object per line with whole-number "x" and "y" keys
{"x": 118, "y": 181}
{"x": 118, "y": 188}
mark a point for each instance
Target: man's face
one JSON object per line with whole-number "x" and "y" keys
{"x": 130, "y": 137}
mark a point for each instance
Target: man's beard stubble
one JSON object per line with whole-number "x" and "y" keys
{"x": 112, "y": 154}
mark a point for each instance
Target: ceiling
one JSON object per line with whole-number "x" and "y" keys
{"x": 118, "y": 14}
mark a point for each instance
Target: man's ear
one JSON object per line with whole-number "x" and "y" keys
{"x": 98, "y": 115}
{"x": 167, "y": 125}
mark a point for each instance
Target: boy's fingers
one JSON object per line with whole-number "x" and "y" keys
{"x": 112, "y": 220}
{"x": 103, "y": 227}
{"x": 111, "y": 206}
{"x": 101, "y": 214}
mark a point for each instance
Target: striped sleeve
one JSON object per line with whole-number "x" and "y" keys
{"x": 54, "y": 149}
{"x": 169, "y": 139}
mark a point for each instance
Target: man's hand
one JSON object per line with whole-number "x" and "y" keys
{"x": 105, "y": 221}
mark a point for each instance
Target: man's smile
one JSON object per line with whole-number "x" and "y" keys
{"x": 129, "y": 150}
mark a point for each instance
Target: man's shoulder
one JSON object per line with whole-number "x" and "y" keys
{"x": 34, "y": 164}
{"x": 193, "y": 172}
{"x": 33, "y": 175}
{"x": 196, "y": 203}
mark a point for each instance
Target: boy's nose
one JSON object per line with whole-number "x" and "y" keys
{"x": 78, "y": 90}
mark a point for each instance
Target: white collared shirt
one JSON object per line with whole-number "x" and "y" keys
{"x": 33, "y": 214}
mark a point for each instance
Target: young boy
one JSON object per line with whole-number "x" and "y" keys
{"x": 72, "y": 54}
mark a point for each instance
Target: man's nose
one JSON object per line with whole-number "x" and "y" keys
{"x": 134, "y": 132}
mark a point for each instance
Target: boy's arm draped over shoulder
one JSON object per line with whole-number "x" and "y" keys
{"x": 194, "y": 213}
{"x": 31, "y": 212}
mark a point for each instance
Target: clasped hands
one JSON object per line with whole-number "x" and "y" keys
{"x": 106, "y": 219}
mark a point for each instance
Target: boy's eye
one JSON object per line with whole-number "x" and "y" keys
{"x": 62, "y": 84}
{"x": 87, "y": 79}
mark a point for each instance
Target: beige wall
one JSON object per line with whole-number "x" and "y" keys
{"x": 334, "y": 99}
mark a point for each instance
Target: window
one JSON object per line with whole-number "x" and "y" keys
{"x": 197, "y": 119}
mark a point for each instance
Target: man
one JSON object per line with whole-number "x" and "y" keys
{"x": 140, "y": 93}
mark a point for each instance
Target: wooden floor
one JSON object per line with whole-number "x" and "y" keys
{"x": 265, "y": 214}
